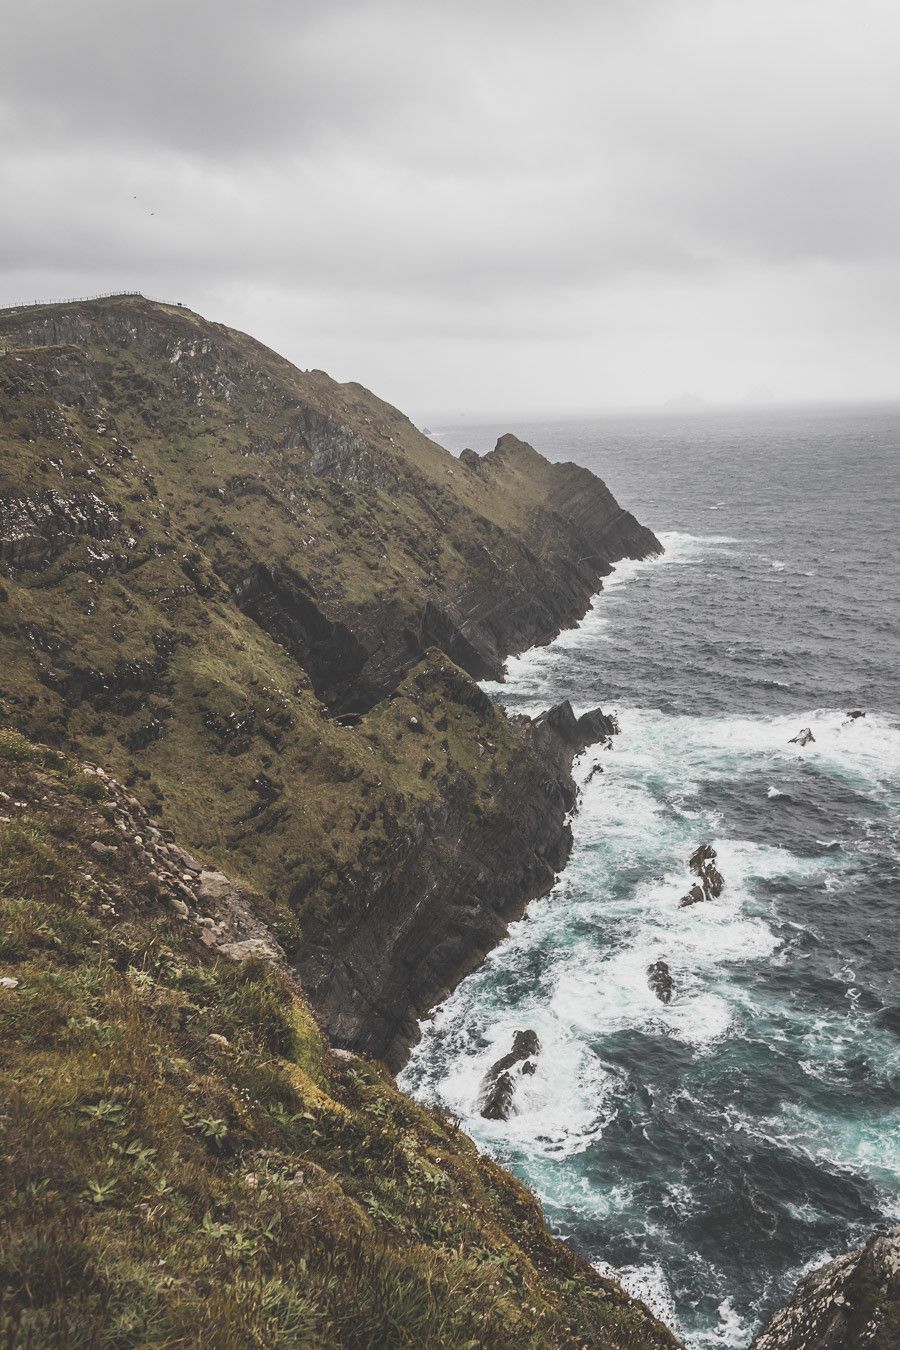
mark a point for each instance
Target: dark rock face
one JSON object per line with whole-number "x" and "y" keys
{"x": 711, "y": 882}
{"x": 33, "y": 529}
{"x": 803, "y": 737}
{"x": 498, "y": 1088}
{"x": 659, "y": 978}
{"x": 444, "y": 899}
{"x": 499, "y": 1099}
{"x": 855, "y": 713}
{"x": 852, "y": 1303}
{"x": 327, "y": 651}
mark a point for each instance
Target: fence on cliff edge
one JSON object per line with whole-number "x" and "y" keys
{"x": 87, "y": 299}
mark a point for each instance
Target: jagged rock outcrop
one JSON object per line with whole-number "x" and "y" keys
{"x": 710, "y": 884}
{"x": 852, "y": 1303}
{"x": 498, "y": 1088}
{"x": 661, "y": 981}
{"x": 803, "y": 737}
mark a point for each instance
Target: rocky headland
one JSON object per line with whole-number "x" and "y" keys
{"x": 257, "y": 604}
{"x": 257, "y": 817}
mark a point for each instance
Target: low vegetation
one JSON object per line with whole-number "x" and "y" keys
{"x": 187, "y": 1163}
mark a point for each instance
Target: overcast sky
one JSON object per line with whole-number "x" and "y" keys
{"x": 497, "y": 207}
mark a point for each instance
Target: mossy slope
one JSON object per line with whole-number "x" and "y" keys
{"x": 187, "y": 1162}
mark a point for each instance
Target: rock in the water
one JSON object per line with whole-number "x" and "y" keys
{"x": 847, "y": 1304}
{"x": 499, "y": 1084}
{"x": 713, "y": 881}
{"x": 498, "y": 1102}
{"x": 710, "y": 883}
{"x": 702, "y": 855}
{"x": 525, "y": 1044}
{"x": 854, "y": 713}
{"x": 659, "y": 977}
{"x": 596, "y": 726}
{"x": 803, "y": 737}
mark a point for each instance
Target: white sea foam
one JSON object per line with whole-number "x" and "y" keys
{"x": 616, "y": 910}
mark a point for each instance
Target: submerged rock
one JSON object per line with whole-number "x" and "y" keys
{"x": 848, "y": 1303}
{"x": 854, "y": 713}
{"x": 660, "y": 980}
{"x": 802, "y": 738}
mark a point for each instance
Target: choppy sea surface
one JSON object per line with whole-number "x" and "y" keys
{"x": 711, "y": 1150}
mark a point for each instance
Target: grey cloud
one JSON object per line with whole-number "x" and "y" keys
{"x": 457, "y": 185}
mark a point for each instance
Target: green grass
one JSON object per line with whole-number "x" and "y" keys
{"x": 166, "y": 1187}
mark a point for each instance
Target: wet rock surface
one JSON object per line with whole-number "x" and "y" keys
{"x": 803, "y": 737}
{"x": 710, "y": 882}
{"x": 661, "y": 981}
{"x": 498, "y": 1088}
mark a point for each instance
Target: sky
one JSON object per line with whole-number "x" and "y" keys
{"x": 485, "y": 208}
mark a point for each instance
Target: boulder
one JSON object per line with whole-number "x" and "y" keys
{"x": 499, "y": 1084}
{"x": 702, "y": 855}
{"x": 854, "y": 713}
{"x": 802, "y": 738}
{"x": 660, "y": 980}
{"x": 693, "y": 897}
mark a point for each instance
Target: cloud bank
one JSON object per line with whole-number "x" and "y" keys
{"x": 476, "y": 208}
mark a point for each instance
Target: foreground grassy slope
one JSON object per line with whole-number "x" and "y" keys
{"x": 187, "y": 1163}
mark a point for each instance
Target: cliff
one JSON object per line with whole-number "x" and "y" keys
{"x": 258, "y": 597}
{"x": 261, "y": 600}
{"x": 188, "y": 1163}
{"x": 852, "y": 1303}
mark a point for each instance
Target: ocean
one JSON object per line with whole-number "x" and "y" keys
{"x": 711, "y": 1150}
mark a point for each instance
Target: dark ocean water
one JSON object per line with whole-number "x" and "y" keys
{"x": 712, "y": 1149}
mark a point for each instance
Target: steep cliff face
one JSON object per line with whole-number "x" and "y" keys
{"x": 489, "y": 842}
{"x": 223, "y": 578}
{"x": 852, "y": 1303}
